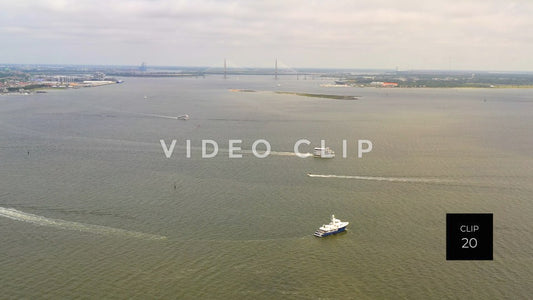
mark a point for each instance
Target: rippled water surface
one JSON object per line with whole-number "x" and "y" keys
{"x": 90, "y": 206}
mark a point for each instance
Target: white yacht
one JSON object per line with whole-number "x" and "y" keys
{"x": 323, "y": 152}
{"x": 335, "y": 226}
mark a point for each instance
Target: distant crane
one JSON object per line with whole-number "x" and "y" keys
{"x": 276, "y": 72}
{"x": 142, "y": 68}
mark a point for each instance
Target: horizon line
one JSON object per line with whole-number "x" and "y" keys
{"x": 272, "y": 68}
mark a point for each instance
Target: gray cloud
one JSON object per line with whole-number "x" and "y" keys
{"x": 492, "y": 35}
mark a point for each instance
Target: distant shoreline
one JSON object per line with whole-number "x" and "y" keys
{"x": 44, "y": 88}
{"x": 325, "y": 96}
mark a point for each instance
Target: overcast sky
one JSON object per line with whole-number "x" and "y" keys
{"x": 457, "y": 34}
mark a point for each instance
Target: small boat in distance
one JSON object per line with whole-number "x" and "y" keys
{"x": 323, "y": 152}
{"x": 335, "y": 226}
{"x": 183, "y": 117}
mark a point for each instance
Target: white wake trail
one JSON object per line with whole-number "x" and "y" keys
{"x": 159, "y": 116}
{"x": 275, "y": 153}
{"x": 391, "y": 179}
{"x": 18, "y": 215}
{"x": 260, "y": 152}
{"x": 290, "y": 154}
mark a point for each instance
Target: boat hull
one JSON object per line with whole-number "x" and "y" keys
{"x": 323, "y": 234}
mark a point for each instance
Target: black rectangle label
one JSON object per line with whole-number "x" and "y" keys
{"x": 469, "y": 236}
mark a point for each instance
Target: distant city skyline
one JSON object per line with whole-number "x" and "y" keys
{"x": 380, "y": 34}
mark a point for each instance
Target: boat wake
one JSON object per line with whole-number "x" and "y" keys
{"x": 290, "y": 154}
{"x": 275, "y": 153}
{"x": 391, "y": 179}
{"x": 18, "y": 215}
{"x": 159, "y": 116}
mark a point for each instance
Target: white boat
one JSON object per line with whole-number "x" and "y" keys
{"x": 183, "y": 117}
{"x": 335, "y": 226}
{"x": 323, "y": 152}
